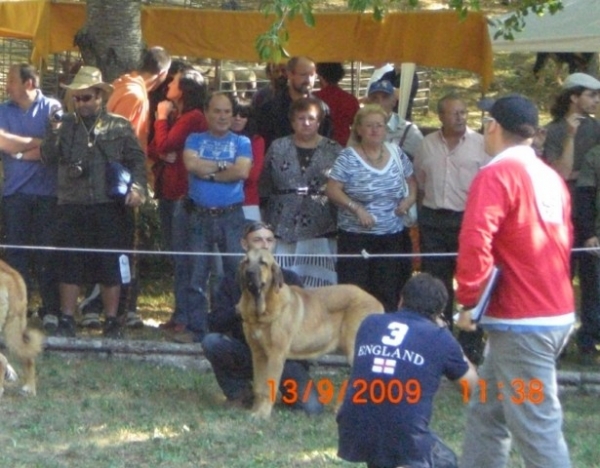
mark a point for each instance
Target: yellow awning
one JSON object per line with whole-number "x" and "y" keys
{"x": 428, "y": 38}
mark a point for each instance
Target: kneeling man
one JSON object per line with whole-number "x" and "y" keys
{"x": 225, "y": 346}
{"x": 399, "y": 360}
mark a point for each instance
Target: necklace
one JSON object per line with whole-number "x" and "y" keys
{"x": 374, "y": 161}
{"x": 89, "y": 132}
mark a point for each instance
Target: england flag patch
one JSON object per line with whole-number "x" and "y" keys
{"x": 383, "y": 366}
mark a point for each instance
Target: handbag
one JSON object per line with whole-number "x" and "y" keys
{"x": 118, "y": 180}
{"x": 410, "y": 218}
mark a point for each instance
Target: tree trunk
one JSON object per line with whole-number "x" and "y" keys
{"x": 111, "y": 38}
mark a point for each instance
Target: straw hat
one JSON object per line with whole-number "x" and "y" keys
{"x": 88, "y": 77}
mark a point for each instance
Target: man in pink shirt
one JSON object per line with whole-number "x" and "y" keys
{"x": 445, "y": 164}
{"x": 518, "y": 218}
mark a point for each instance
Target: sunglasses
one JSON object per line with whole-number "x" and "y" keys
{"x": 244, "y": 113}
{"x": 84, "y": 98}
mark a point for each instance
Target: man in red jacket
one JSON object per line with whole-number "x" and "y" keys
{"x": 518, "y": 217}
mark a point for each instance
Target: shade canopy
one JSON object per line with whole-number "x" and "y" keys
{"x": 427, "y": 38}
{"x": 574, "y": 29}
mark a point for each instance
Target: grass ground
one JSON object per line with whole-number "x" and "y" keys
{"x": 99, "y": 413}
{"x": 103, "y": 413}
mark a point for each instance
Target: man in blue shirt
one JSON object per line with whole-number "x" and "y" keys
{"x": 399, "y": 360}
{"x": 29, "y": 192}
{"x": 218, "y": 162}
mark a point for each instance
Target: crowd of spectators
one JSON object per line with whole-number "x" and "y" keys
{"x": 329, "y": 177}
{"x": 333, "y": 183}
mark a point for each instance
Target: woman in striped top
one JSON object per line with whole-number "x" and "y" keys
{"x": 369, "y": 183}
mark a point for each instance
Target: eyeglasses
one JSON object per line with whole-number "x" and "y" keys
{"x": 84, "y": 98}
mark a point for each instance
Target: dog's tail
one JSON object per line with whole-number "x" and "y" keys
{"x": 25, "y": 343}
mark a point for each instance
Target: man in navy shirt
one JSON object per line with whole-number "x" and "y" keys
{"x": 399, "y": 360}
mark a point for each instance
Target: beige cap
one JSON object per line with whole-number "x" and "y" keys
{"x": 88, "y": 77}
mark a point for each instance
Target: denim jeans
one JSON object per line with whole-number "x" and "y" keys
{"x": 31, "y": 220}
{"x": 205, "y": 232}
{"x": 442, "y": 456}
{"x": 180, "y": 242}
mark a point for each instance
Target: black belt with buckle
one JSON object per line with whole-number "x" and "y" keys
{"x": 211, "y": 211}
{"x": 303, "y": 191}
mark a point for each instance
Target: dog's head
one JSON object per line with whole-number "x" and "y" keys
{"x": 259, "y": 274}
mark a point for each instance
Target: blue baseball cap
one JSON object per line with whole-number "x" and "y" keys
{"x": 382, "y": 86}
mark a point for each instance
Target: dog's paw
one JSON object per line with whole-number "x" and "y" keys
{"x": 10, "y": 375}
{"x": 261, "y": 412}
{"x": 27, "y": 390}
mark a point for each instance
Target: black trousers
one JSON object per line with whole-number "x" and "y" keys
{"x": 381, "y": 277}
{"x": 438, "y": 231}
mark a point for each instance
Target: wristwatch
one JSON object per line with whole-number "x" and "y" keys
{"x": 19, "y": 155}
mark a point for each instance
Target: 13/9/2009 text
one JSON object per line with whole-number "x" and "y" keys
{"x": 376, "y": 391}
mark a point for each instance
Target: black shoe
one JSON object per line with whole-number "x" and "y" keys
{"x": 66, "y": 326}
{"x": 112, "y": 328}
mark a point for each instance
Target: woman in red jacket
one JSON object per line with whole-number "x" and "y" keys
{"x": 176, "y": 117}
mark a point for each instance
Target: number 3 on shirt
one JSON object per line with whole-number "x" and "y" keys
{"x": 397, "y": 333}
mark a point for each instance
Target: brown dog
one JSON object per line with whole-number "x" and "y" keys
{"x": 287, "y": 322}
{"x": 20, "y": 340}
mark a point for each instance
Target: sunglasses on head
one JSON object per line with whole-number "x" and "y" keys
{"x": 84, "y": 98}
{"x": 254, "y": 226}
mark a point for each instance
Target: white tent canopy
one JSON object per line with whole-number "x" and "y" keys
{"x": 574, "y": 29}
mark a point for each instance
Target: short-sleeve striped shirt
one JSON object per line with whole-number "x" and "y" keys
{"x": 378, "y": 190}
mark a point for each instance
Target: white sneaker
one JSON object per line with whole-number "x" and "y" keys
{"x": 133, "y": 320}
{"x": 50, "y": 323}
{"x": 91, "y": 320}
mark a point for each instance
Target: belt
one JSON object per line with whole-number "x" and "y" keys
{"x": 442, "y": 211}
{"x": 214, "y": 211}
{"x": 302, "y": 191}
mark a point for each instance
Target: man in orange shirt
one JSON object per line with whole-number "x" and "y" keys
{"x": 130, "y": 100}
{"x": 130, "y": 97}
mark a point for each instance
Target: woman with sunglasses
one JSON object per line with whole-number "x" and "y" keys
{"x": 176, "y": 117}
{"x": 244, "y": 123}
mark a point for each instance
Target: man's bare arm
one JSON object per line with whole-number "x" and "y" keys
{"x": 13, "y": 144}
{"x": 203, "y": 168}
